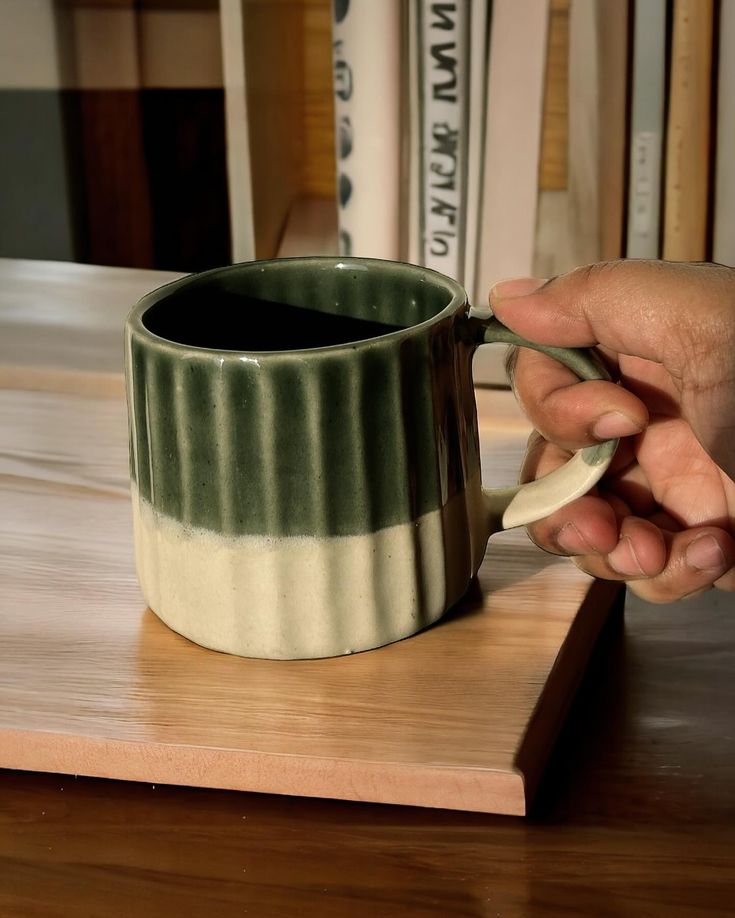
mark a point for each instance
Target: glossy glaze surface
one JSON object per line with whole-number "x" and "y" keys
{"x": 276, "y": 450}
{"x": 331, "y": 441}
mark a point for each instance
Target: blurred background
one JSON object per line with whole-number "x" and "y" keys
{"x": 114, "y": 135}
{"x": 184, "y": 134}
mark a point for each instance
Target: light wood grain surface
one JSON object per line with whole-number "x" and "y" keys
{"x": 61, "y": 323}
{"x": 462, "y": 715}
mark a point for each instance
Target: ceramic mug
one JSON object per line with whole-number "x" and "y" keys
{"x": 305, "y": 455}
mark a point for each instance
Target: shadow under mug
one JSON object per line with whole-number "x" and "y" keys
{"x": 305, "y": 455}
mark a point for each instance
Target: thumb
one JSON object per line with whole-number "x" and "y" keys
{"x": 649, "y": 309}
{"x": 678, "y": 315}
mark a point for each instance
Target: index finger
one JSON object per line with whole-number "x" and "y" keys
{"x": 571, "y": 413}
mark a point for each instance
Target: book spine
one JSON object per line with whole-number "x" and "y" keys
{"x": 646, "y": 129}
{"x": 514, "y": 113}
{"x": 516, "y": 72}
{"x": 237, "y": 133}
{"x": 367, "y": 102}
{"x": 583, "y": 189}
{"x": 477, "y": 111}
{"x": 415, "y": 248}
{"x": 443, "y": 80}
{"x": 688, "y": 134}
{"x": 613, "y": 77}
{"x": 724, "y": 217}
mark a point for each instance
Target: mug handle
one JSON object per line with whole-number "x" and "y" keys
{"x": 527, "y": 503}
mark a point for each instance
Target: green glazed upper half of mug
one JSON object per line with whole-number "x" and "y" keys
{"x": 232, "y": 433}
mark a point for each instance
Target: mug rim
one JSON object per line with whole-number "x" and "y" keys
{"x": 134, "y": 323}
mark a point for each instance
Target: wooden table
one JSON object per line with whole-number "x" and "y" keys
{"x": 636, "y": 815}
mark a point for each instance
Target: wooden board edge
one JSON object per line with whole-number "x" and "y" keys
{"x": 562, "y": 683}
{"x": 67, "y": 382}
{"x": 407, "y": 784}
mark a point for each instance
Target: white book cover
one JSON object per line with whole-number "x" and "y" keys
{"x": 367, "y": 102}
{"x": 724, "y": 205}
{"x": 443, "y": 59}
{"x": 647, "y": 129}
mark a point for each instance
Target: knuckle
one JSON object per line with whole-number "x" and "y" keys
{"x": 600, "y": 271}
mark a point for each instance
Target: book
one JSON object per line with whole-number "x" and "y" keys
{"x": 724, "y": 199}
{"x": 646, "y": 129}
{"x": 688, "y": 132}
{"x": 477, "y": 111}
{"x": 582, "y": 202}
{"x": 262, "y": 106}
{"x": 612, "y": 26}
{"x": 515, "y": 93}
{"x": 514, "y": 114}
{"x": 551, "y": 245}
{"x": 412, "y": 137}
{"x": 583, "y": 244}
{"x": 443, "y": 59}
{"x": 311, "y": 228}
{"x": 239, "y": 172}
{"x": 367, "y": 46}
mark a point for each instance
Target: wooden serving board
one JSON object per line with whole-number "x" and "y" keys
{"x": 463, "y": 715}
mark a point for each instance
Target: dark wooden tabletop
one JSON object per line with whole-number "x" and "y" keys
{"x": 636, "y": 817}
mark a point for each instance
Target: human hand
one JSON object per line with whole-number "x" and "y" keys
{"x": 663, "y": 517}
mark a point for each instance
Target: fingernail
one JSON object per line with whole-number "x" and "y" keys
{"x": 624, "y": 560}
{"x": 615, "y": 424}
{"x": 517, "y": 286}
{"x": 705, "y": 554}
{"x": 571, "y": 541}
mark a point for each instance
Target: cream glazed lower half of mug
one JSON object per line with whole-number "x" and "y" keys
{"x": 313, "y": 502}
{"x": 299, "y": 597}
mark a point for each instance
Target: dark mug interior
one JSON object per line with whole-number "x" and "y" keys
{"x": 297, "y": 304}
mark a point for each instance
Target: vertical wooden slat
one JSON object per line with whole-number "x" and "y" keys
{"x": 584, "y": 133}
{"x": 237, "y": 131}
{"x": 115, "y": 180}
{"x": 319, "y": 161}
{"x": 613, "y": 73}
{"x": 688, "y": 138}
{"x": 555, "y": 128}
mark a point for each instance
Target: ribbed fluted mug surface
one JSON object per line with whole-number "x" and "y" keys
{"x": 305, "y": 458}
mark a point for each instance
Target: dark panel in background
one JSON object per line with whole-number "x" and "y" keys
{"x": 184, "y": 148}
{"x": 104, "y": 130}
{"x": 135, "y": 178}
{"x": 35, "y": 195}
